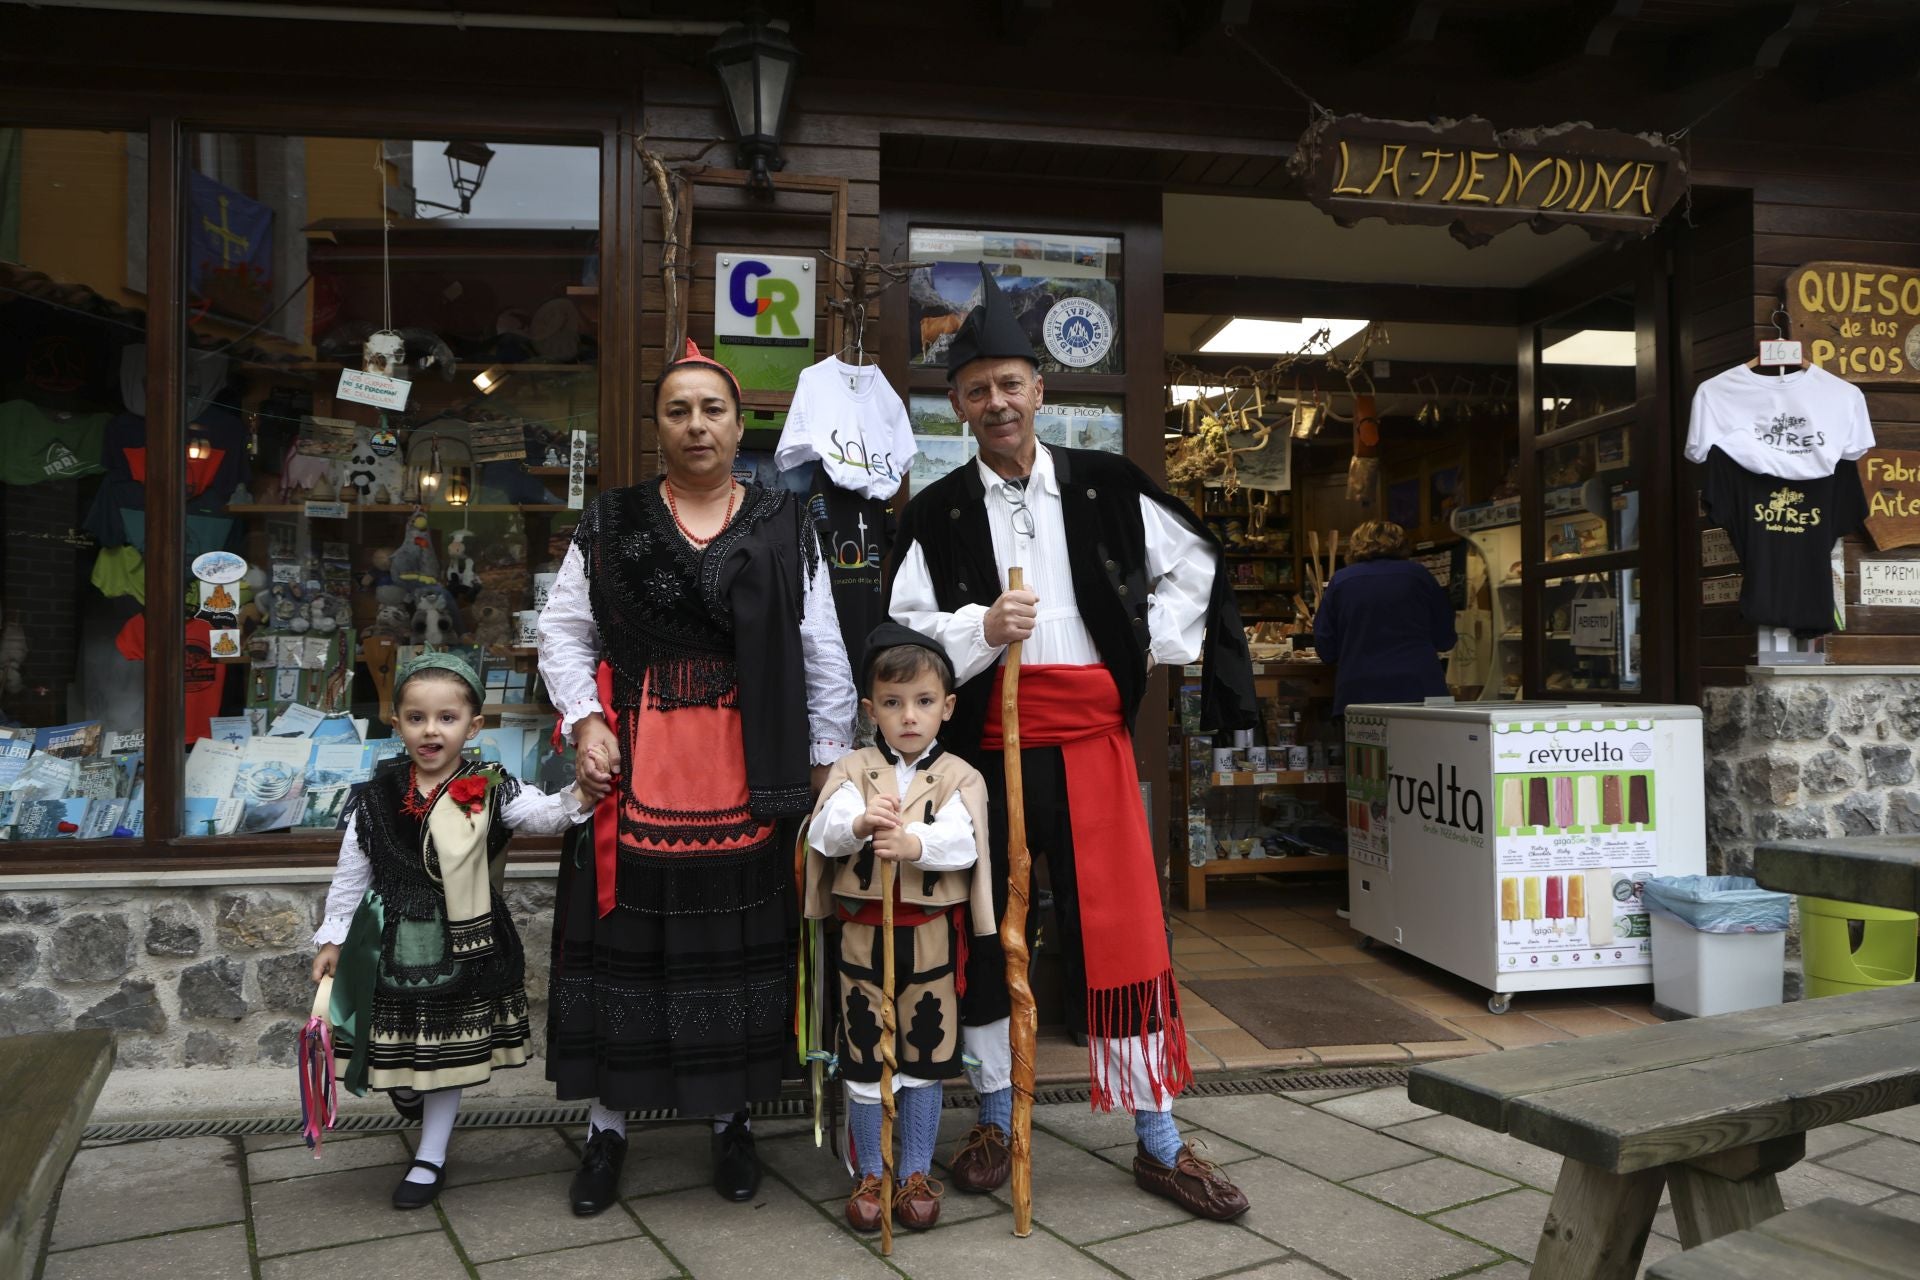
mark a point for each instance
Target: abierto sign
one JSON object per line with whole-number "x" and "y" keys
{"x": 1478, "y": 181}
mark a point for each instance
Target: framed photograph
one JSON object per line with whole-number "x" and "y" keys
{"x": 1612, "y": 450}
{"x": 1065, "y": 292}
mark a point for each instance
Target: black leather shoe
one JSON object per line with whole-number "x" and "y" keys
{"x": 736, "y": 1169}
{"x": 597, "y": 1184}
{"x": 418, "y": 1195}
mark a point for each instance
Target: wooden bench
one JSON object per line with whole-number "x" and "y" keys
{"x": 48, "y": 1084}
{"x": 1827, "y": 1240}
{"x": 1711, "y": 1107}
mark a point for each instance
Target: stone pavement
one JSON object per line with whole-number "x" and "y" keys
{"x": 1356, "y": 1184}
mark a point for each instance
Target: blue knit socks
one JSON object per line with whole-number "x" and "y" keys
{"x": 1158, "y": 1134}
{"x": 919, "y": 1127}
{"x": 863, "y": 1118}
{"x": 996, "y": 1108}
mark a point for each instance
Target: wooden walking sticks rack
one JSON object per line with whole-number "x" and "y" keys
{"x": 888, "y": 1030}
{"x": 1024, "y": 1022}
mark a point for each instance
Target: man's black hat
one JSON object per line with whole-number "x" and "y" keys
{"x": 890, "y": 635}
{"x": 990, "y": 331}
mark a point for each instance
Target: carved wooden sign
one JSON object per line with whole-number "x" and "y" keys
{"x": 1465, "y": 175}
{"x": 1891, "y": 478}
{"x": 1857, "y": 321}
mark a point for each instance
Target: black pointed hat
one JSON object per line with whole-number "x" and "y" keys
{"x": 990, "y": 331}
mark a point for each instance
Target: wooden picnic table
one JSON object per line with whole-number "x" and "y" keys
{"x": 1826, "y": 1240}
{"x": 1711, "y": 1107}
{"x": 1879, "y": 871}
{"x": 48, "y": 1084}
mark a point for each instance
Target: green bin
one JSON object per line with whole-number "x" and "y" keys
{"x": 1834, "y": 966}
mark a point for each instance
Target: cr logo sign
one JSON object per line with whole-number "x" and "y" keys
{"x": 755, "y": 290}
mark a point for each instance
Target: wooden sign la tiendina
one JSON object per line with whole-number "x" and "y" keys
{"x": 1858, "y": 321}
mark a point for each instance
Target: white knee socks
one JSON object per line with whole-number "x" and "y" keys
{"x": 605, "y": 1118}
{"x": 436, "y": 1128}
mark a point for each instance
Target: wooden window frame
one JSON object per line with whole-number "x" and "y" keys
{"x": 168, "y": 115}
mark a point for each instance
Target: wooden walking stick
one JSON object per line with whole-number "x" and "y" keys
{"x": 887, "y": 1064}
{"x": 1013, "y": 938}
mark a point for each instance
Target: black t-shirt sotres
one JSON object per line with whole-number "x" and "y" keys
{"x": 1784, "y": 531}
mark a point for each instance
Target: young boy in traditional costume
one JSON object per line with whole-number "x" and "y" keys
{"x": 428, "y": 994}
{"x": 906, "y": 801}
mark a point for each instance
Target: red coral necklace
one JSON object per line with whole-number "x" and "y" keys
{"x": 674, "y": 509}
{"x": 415, "y": 805}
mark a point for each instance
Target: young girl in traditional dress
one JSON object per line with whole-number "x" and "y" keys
{"x": 428, "y": 994}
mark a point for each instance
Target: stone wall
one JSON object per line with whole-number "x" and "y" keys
{"x": 1807, "y": 757}
{"x": 215, "y": 976}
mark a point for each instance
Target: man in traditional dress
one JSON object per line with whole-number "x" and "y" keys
{"x": 1120, "y": 577}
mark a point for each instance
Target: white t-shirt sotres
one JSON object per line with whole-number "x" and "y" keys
{"x": 1799, "y": 425}
{"x": 852, "y": 421}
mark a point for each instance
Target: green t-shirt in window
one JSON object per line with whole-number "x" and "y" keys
{"x": 36, "y": 446}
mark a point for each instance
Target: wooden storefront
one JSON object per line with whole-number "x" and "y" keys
{"x": 1077, "y": 119}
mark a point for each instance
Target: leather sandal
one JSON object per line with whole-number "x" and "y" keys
{"x": 984, "y": 1160}
{"x": 1196, "y": 1185}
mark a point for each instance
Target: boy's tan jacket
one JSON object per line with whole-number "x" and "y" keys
{"x": 871, "y": 773}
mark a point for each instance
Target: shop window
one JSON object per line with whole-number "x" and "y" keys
{"x": 1593, "y": 632}
{"x": 1592, "y": 495}
{"x": 72, "y": 393}
{"x": 394, "y": 429}
{"x": 1587, "y": 362}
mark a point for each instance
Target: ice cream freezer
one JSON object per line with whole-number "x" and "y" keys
{"x": 1507, "y": 843}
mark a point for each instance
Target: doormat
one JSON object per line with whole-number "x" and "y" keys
{"x": 1294, "y": 1012}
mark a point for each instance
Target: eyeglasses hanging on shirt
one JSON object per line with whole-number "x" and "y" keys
{"x": 1015, "y": 492}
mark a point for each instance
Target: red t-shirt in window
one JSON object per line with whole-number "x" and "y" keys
{"x": 206, "y": 679}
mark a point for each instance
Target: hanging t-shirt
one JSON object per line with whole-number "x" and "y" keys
{"x": 856, "y": 535}
{"x": 849, "y": 418}
{"x": 1798, "y": 425}
{"x": 1784, "y": 533}
{"x": 206, "y": 679}
{"x": 36, "y": 445}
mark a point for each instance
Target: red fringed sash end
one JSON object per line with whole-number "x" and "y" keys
{"x": 1112, "y": 1049}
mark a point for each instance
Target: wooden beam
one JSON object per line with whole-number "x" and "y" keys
{"x": 1856, "y": 64}
{"x": 1202, "y": 294}
{"x": 1379, "y": 30}
{"x": 1752, "y": 39}
{"x": 1558, "y": 37}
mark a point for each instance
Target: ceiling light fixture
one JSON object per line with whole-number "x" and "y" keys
{"x": 1243, "y": 335}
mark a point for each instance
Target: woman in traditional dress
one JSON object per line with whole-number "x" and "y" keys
{"x": 691, "y": 645}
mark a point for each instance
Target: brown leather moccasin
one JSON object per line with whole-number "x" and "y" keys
{"x": 1194, "y": 1184}
{"x": 916, "y": 1202}
{"x": 863, "y": 1206}
{"x": 983, "y": 1161}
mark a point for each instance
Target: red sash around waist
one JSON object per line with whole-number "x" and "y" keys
{"x": 1129, "y": 971}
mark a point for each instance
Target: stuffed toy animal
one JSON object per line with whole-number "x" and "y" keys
{"x": 492, "y": 620}
{"x": 432, "y": 623}
{"x": 392, "y": 622}
{"x": 375, "y": 464}
{"x": 414, "y": 564}
{"x": 380, "y": 574}
{"x": 463, "y": 577}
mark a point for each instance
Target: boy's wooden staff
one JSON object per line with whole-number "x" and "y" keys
{"x": 887, "y": 1031}
{"x": 1013, "y": 938}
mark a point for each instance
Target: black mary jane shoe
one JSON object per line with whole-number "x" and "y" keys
{"x": 736, "y": 1169}
{"x": 410, "y": 1109}
{"x": 597, "y": 1184}
{"x": 418, "y": 1195}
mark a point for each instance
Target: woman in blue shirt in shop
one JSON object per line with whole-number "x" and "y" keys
{"x": 1383, "y": 623}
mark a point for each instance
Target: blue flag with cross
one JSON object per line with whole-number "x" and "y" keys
{"x": 229, "y": 242}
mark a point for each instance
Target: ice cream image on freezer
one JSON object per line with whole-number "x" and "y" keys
{"x": 1610, "y": 814}
{"x": 1537, "y": 812}
{"x": 1576, "y": 900}
{"x": 1511, "y": 815}
{"x": 1563, "y": 803}
{"x": 1638, "y": 810}
{"x": 1533, "y": 912}
{"x": 1509, "y": 901}
{"x": 1588, "y": 809}
{"x": 1556, "y": 896}
{"x": 1600, "y": 908}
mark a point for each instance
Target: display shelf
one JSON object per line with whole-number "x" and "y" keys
{"x": 429, "y": 377}
{"x": 562, "y": 471}
{"x": 1278, "y": 777}
{"x": 393, "y": 508}
{"x": 1293, "y": 865}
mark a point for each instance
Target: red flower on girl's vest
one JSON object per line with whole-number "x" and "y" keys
{"x": 470, "y": 793}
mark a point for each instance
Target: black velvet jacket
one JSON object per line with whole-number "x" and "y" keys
{"x": 1107, "y": 554}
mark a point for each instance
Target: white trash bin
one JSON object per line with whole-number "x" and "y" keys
{"x": 1703, "y": 973}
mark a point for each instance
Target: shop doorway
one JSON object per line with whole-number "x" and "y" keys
{"x": 1522, "y": 396}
